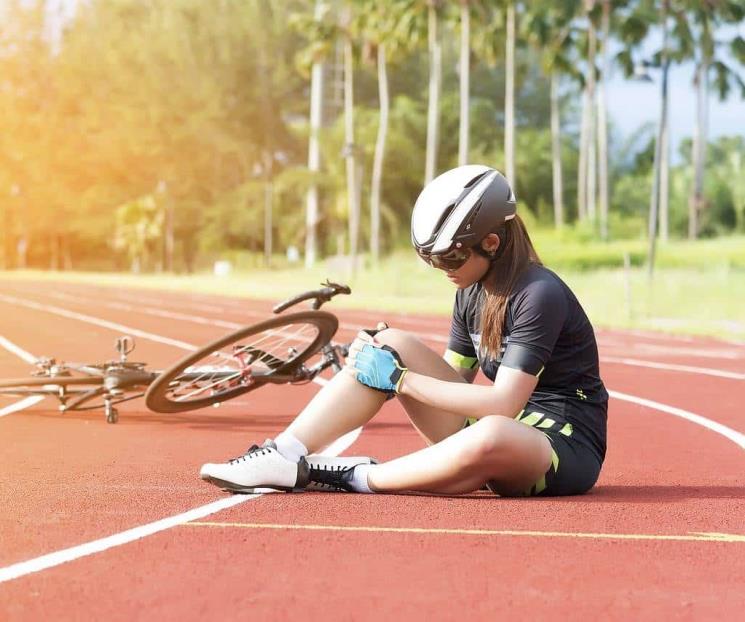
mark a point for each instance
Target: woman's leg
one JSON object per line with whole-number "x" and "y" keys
{"x": 339, "y": 407}
{"x": 434, "y": 424}
{"x": 345, "y": 404}
{"x": 498, "y": 449}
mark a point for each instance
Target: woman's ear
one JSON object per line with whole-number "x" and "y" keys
{"x": 490, "y": 244}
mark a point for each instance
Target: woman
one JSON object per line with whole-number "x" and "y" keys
{"x": 539, "y": 429}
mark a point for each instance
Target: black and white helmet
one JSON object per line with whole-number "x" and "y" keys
{"x": 460, "y": 208}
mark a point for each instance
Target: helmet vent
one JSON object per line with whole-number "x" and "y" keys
{"x": 475, "y": 179}
{"x": 446, "y": 212}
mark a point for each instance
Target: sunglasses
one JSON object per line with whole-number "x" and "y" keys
{"x": 449, "y": 261}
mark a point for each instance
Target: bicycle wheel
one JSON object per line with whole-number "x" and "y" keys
{"x": 270, "y": 351}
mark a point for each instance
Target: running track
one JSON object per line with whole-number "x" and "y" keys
{"x": 642, "y": 545}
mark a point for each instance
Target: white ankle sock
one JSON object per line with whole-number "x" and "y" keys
{"x": 290, "y": 447}
{"x": 359, "y": 478}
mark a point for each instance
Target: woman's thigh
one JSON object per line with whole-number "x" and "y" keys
{"x": 433, "y": 424}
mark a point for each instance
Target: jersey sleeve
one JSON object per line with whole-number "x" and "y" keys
{"x": 460, "y": 352}
{"x": 538, "y": 315}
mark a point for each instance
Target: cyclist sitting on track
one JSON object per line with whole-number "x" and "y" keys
{"x": 539, "y": 429}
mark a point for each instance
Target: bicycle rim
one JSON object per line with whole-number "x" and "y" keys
{"x": 270, "y": 351}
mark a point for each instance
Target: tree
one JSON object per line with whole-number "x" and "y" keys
{"x": 321, "y": 33}
{"x": 378, "y": 26}
{"x": 435, "y": 82}
{"x": 705, "y": 19}
{"x": 509, "y": 94}
{"x": 602, "y": 121}
{"x": 548, "y": 28}
{"x": 464, "y": 81}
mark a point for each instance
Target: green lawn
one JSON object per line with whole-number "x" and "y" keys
{"x": 698, "y": 288}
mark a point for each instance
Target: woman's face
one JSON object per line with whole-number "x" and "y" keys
{"x": 476, "y": 265}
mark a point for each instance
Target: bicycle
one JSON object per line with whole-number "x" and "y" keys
{"x": 276, "y": 352}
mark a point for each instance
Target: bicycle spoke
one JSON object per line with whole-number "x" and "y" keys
{"x": 268, "y": 351}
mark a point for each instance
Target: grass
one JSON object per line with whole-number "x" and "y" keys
{"x": 698, "y": 289}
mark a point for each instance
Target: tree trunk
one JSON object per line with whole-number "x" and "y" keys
{"x": 664, "y": 180}
{"x": 350, "y": 150}
{"x": 603, "y": 180}
{"x": 591, "y": 144}
{"x": 696, "y": 200}
{"x": 314, "y": 154}
{"x": 4, "y": 235}
{"x": 54, "y": 258}
{"x": 268, "y": 205}
{"x": 582, "y": 164}
{"x": 377, "y": 173}
{"x": 556, "y": 153}
{"x": 656, "y": 182}
{"x": 509, "y": 98}
{"x": 465, "y": 53}
{"x": 433, "y": 104}
{"x": 170, "y": 238}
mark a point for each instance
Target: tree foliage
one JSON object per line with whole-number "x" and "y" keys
{"x": 202, "y": 105}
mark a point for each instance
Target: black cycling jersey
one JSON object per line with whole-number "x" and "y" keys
{"x": 547, "y": 334}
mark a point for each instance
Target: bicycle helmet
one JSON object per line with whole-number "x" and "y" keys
{"x": 460, "y": 208}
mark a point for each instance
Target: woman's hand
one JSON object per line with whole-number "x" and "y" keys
{"x": 375, "y": 365}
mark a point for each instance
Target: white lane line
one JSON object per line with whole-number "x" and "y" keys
{"x": 437, "y": 338}
{"x": 733, "y": 435}
{"x": 428, "y": 336}
{"x": 706, "y": 371}
{"x": 17, "y": 350}
{"x": 24, "y": 403}
{"x": 50, "y": 560}
{"x": 171, "y": 315}
{"x": 702, "y": 352}
{"x": 29, "y": 358}
{"x": 97, "y": 321}
{"x": 20, "y": 569}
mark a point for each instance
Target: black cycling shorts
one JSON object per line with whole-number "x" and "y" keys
{"x": 575, "y": 466}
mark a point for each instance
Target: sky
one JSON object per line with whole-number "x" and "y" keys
{"x": 633, "y": 102}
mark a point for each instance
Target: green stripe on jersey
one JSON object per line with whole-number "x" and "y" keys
{"x": 458, "y": 360}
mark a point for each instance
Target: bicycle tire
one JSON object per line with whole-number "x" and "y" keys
{"x": 162, "y": 395}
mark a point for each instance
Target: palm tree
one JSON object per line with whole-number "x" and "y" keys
{"x": 314, "y": 148}
{"x": 591, "y": 145}
{"x": 509, "y": 94}
{"x": 435, "y": 82}
{"x": 660, "y": 169}
{"x": 603, "y": 122}
{"x": 634, "y": 30}
{"x": 548, "y": 28}
{"x": 465, "y": 71}
{"x": 350, "y": 148}
{"x": 379, "y": 33}
{"x": 706, "y": 18}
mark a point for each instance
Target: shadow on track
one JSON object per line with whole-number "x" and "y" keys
{"x": 214, "y": 422}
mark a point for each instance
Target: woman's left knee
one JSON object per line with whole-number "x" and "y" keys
{"x": 395, "y": 338}
{"x": 488, "y": 440}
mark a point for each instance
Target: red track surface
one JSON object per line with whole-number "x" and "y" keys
{"x": 69, "y": 479}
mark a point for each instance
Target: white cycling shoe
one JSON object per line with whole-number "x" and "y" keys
{"x": 260, "y": 467}
{"x": 263, "y": 467}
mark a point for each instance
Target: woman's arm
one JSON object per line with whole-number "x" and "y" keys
{"x": 507, "y": 396}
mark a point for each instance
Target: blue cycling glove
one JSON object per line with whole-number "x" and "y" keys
{"x": 380, "y": 367}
